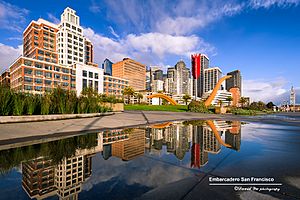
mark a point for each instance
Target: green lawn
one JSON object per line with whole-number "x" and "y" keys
{"x": 171, "y": 108}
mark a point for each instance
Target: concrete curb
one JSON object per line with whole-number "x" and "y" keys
{"x": 37, "y": 118}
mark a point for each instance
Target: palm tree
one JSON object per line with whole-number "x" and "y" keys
{"x": 243, "y": 100}
{"x": 229, "y": 99}
{"x": 139, "y": 96}
{"x": 128, "y": 91}
{"x": 186, "y": 98}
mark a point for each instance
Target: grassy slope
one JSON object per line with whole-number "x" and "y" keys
{"x": 177, "y": 108}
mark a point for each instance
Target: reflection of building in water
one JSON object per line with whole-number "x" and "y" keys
{"x": 199, "y": 157}
{"x": 176, "y": 137}
{"x": 131, "y": 148}
{"x": 38, "y": 178}
{"x": 233, "y": 136}
{"x": 112, "y": 136}
{"x": 41, "y": 178}
{"x": 210, "y": 142}
{"x": 69, "y": 175}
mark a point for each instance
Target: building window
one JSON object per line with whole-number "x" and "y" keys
{"x": 48, "y": 82}
{"x": 84, "y": 83}
{"x": 84, "y": 73}
{"x": 48, "y": 75}
{"x": 27, "y": 62}
{"x": 28, "y": 80}
{"x": 96, "y": 85}
{"x": 38, "y": 73}
{"x": 96, "y": 76}
{"x": 27, "y": 87}
{"x": 90, "y": 74}
{"x": 28, "y": 71}
{"x": 38, "y": 88}
{"x": 38, "y": 81}
{"x": 90, "y": 83}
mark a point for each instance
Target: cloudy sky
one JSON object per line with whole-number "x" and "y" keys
{"x": 259, "y": 37}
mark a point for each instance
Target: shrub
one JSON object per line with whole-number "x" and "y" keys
{"x": 18, "y": 103}
{"x": 6, "y": 103}
{"x": 239, "y": 111}
{"x": 197, "y": 106}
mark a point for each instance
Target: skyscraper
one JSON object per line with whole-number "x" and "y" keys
{"x": 107, "y": 66}
{"x": 211, "y": 78}
{"x": 234, "y": 81}
{"x": 200, "y": 62}
{"x": 293, "y": 98}
{"x": 179, "y": 79}
{"x": 131, "y": 70}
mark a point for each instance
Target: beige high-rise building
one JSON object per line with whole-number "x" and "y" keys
{"x": 131, "y": 70}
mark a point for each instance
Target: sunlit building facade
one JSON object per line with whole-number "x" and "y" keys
{"x": 131, "y": 70}
{"x": 114, "y": 85}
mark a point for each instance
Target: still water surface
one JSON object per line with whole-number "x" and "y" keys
{"x": 138, "y": 162}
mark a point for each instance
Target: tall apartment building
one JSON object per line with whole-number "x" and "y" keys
{"x": 114, "y": 85}
{"x": 234, "y": 81}
{"x": 39, "y": 41}
{"x": 200, "y": 62}
{"x": 179, "y": 79}
{"x": 55, "y": 55}
{"x": 107, "y": 66}
{"x": 70, "y": 40}
{"x": 211, "y": 78}
{"x": 131, "y": 70}
{"x": 157, "y": 86}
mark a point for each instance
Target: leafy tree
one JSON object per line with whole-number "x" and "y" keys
{"x": 242, "y": 101}
{"x": 139, "y": 96}
{"x": 128, "y": 91}
{"x": 186, "y": 98}
{"x": 270, "y": 105}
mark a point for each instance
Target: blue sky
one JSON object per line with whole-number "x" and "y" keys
{"x": 261, "y": 38}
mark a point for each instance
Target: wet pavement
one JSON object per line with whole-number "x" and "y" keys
{"x": 212, "y": 159}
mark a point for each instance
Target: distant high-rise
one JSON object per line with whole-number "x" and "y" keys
{"x": 234, "y": 81}
{"x": 107, "y": 66}
{"x": 200, "y": 62}
{"x": 179, "y": 79}
{"x": 211, "y": 78}
{"x": 158, "y": 75}
{"x": 293, "y": 97}
{"x": 131, "y": 70}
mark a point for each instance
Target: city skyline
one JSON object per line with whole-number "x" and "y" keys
{"x": 180, "y": 32}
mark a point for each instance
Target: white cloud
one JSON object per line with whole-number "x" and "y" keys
{"x": 8, "y": 55}
{"x": 268, "y": 3}
{"x": 113, "y": 32}
{"x": 12, "y": 17}
{"x": 181, "y": 25}
{"x": 265, "y": 90}
{"x": 94, "y": 7}
{"x": 53, "y": 19}
{"x": 148, "y": 48}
